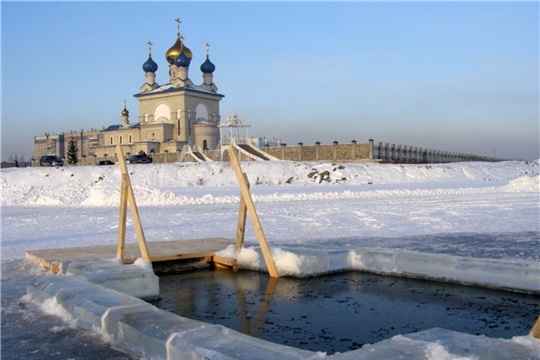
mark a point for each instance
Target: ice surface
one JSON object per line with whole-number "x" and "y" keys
{"x": 516, "y": 275}
{"x": 137, "y": 280}
{"x": 75, "y": 296}
{"x": 441, "y": 344}
{"x": 235, "y": 345}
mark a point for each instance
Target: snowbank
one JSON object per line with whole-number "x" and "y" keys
{"x": 184, "y": 184}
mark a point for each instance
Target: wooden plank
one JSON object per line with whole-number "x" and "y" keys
{"x": 51, "y": 266}
{"x": 253, "y": 215}
{"x": 122, "y": 218}
{"x": 161, "y": 251}
{"x": 223, "y": 261}
{"x": 133, "y": 205}
{"x": 535, "y": 331}
{"x": 242, "y": 215}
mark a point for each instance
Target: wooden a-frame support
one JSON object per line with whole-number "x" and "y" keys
{"x": 126, "y": 196}
{"x": 535, "y": 331}
{"x": 246, "y": 205}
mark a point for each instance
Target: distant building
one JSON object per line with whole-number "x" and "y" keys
{"x": 49, "y": 145}
{"x": 85, "y": 141}
{"x": 172, "y": 115}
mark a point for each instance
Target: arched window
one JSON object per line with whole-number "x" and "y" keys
{"x": 205, "y": 145}
{"x": 162, "y": 113}
{"x": 120, "y": 139}
{"x": 201, "y": 112}
{"x": 111, "y": 141}
{"x": 130, "y": 139}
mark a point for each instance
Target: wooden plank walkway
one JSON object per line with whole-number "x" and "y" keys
{"x": 159, "y": 251}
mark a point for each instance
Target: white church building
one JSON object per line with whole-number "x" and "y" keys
{"x": 171, "y": 115}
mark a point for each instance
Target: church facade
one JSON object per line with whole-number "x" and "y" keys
{"x": 172, "y": 115}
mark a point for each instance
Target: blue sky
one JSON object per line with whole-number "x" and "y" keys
{"x": 450, "y": 76}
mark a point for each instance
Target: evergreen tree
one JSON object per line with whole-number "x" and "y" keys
{"x": 72, "y": 152}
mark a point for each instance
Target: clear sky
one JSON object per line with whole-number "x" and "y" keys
{"x": 450, "y": 76}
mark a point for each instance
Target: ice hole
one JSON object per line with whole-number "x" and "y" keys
{"x": 341, "y": 312}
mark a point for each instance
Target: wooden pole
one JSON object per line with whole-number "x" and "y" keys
{"x": 132, "y": 206}
{"x": 242, "y": 213}
{"x": 122, "y": 219}
{"x": 244, "y": 188}
{"x": 535, "y": 331}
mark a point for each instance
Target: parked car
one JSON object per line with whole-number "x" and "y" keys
{"x": 139, "y": 159}
{"x": 105, "y": 162}
{"x": 50, "y": 160}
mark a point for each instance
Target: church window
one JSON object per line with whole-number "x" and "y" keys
{"x": 205, "y": 145}
{"x": 111, "y": 141}
{"x": 162, "y": 113}
{"x": 201, "y": 112}
{"x": 120, "y": 139}
{"x": 130, "y": 139}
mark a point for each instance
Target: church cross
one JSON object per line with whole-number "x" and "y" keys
{"x": 207, "y": 47}
{"x": 149, "y": 47}
{"x": 178, "y": 22}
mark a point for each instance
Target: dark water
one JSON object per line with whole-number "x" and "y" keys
{"x": 27, "y": 333}
{"x": 342, "y": 312}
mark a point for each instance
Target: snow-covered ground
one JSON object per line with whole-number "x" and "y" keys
{"x": 366, "y": 205}
{"x": 479, "y": 210}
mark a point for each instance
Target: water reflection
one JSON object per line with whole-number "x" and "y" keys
{"x": 341, "y": 312}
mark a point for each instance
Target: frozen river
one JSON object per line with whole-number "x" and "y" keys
{"x": 480, "y": 210}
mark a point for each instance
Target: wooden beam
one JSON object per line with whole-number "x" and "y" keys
{"x": 223, "y": 261}
{"x": 242, "y": 214}
{"x": 120, "y": 251}
{"x": 133, "y": 205}
{"x": 535, "y": 331}
{"x": 244, "y": 188}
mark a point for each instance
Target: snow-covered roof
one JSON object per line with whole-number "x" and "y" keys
{"x": 169, "y": 88}
{"x": 120, "y": 127}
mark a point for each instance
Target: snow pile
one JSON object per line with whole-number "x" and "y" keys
{"x": 181, "y": 183}
{"x": 288, "y": 262}
{"x": 524, "y": 183}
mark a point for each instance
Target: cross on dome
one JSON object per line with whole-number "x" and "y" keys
{"x": 178, "y": 22}
{"x": 207, "y": 47}
{"x": 149, "y": 47}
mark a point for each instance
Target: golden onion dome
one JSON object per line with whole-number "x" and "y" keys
{"x": 174, "y": 51}
{"x": 125, "y": 112}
